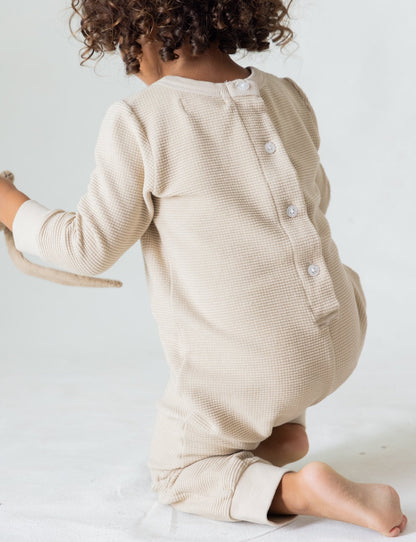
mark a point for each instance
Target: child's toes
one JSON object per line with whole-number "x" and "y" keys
{"x": 403, "y": 524}
{"x": 397, "y": 529}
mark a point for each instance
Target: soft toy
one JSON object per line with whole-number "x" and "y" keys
{"x": 47, "y": 273}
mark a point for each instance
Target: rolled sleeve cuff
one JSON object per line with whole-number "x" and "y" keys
{"x": 254, "y": 494}
{"x": 26, "y": 226}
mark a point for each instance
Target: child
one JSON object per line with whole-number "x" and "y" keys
{"x": 215, "y": 169}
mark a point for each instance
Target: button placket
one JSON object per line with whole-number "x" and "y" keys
{"x": 305, "y": 240}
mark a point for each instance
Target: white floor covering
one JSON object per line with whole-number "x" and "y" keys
{"x": 75, "y": 436}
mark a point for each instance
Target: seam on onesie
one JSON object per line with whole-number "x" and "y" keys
{"x": 183, "y": 440}
{"x": 184, "y": 352}
{"x": 331, "y": 342}
{"x": 144, "y": 140}
{"x": 178, "y": 332}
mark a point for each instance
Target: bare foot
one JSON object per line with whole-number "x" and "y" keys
{"x": 286, "y": 444}
{"x": 318, "y": 490}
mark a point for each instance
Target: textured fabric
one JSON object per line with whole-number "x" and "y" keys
{"x": 258, "y": 316}
{"x": 26, "y": 231}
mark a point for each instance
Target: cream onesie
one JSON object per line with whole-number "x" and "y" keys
{"x": 257, "y": 315}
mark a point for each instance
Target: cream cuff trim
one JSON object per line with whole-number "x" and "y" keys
{"x": 26, "y": 226}
{"x": 254, "y": 494}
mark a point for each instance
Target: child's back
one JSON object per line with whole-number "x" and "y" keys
{"x": 259, "y": 317}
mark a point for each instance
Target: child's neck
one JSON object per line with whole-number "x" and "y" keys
{"x": 216, "y": 68}
{"x": 213, "y": 65}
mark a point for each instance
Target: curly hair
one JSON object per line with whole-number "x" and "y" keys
{"x": 242, "y": 24}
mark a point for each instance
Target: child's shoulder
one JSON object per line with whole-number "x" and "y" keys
{"x": 297, "y": 96}
{"x": 150, "y": 105}
{"x": 289, "y": 87}
{"x": 148, "y": 97}
{"x": 293, "y": 86}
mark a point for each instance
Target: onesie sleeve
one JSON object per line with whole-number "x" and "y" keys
{"x": 111, "y": 216}
{"x": 321, "y": 178}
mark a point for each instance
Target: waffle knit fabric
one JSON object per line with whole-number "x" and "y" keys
{"x": 257, "y": 315}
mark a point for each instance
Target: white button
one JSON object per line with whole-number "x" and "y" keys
{"x": 313, "y": 269}
{"x": 270, "y": 147}
{"x": 242, "y": 85}
{"x": 292, "y": 211}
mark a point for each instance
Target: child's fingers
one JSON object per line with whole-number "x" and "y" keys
{"x": 6, "y": 174}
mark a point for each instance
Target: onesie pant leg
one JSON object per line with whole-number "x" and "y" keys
{"x": 235, "y": 487}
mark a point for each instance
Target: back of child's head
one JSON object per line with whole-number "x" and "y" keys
{"x": 233, "y": 25}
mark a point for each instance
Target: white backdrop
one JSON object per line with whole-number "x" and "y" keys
{"x": 355, "y": 64}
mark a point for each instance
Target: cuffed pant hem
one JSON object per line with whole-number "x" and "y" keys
{"x": 254, "y": 494}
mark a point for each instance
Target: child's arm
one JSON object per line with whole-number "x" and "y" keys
{"x": 10, "y": 200}
{"x": 111, "y": 216}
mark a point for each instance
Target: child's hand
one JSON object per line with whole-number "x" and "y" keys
{"x": 6, "y": 182}
{"x": 7, "y": 178}
{"x": 7, "y": 175}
